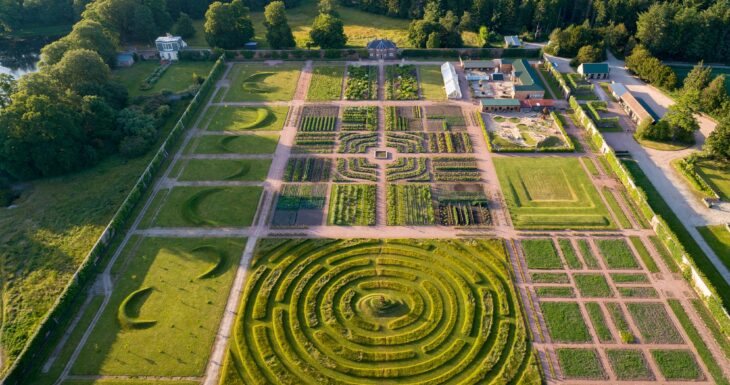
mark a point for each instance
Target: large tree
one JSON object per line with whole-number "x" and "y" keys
{"x": 328, "y": 32}
{"x": 278, "y": 32}
{"x": 227, "y": 25}
{"x": 80, "y": 68}
{"x": 7, "y": 88}
{"x": 86, "y": 34}
{"x": 184, "y": 26}
{"x": 718, "y": 143}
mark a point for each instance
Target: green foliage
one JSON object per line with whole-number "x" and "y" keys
{"x": 650, "y": 69}
{"x": 591, "y": 54}
{"x": 565, "y": 322}
{"x": 580, "y": 363}
{"x": 654, "y": 323}
{"x": 629, "y": 364}
{"x": 599, "y": 322}
{"x": 352, "y": 205}
{"x": 184, "y": 26}
{"x": 328, "y": 32}
{"x": 308, "y": 170}
{"x": 617, "y": 254}
{"x": 227, "y": 25}
{"x": 326, "y": 83}
{"x": 410, "y": 204}
{"x": 278, "y": 32}
{"x": 400, "y": 82}
{"x": 677, "y": 364}
{"x": 362, "y": 83}
{"x": 541, "y": 254}
{"x": 592, "y": 285}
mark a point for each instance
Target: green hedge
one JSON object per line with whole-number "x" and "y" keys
{"x": 297, "y": 54}
{"x": 687, "y": 168}
{"x": 687, "y": 261}
{"x": 474, "y": 53}
{"x": 559, "y": 77}
{"x": 49, "y": 330}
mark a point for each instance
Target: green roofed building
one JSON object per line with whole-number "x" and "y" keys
{"x": 500, "y": 105}
{"x": 526, "y": 85}
{"x": 594, "y": 70}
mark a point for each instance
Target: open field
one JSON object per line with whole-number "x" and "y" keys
{"x": 224, "y": 169}
{"x": 551, "y": 193}
{"x": 399, "y": 300}
{"x": 230, "y": 144}
{"x": 204, "y": 207}
{"x": 226, "y": 118}
{"x": 261, "y": 82}
{"x": 166, "y": 306}
{"x": 177, "y": 78}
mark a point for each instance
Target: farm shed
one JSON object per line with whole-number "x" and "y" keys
{"x": 500, "y": 105}
{"x": 594, "y": 70}
{"x": 451, "y": 81}
{"x": 512, "y": 41}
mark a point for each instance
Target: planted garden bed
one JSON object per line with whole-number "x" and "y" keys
{"x": 318, "y": 118}
{"x": 401, "y": 82}
{"x": 300, "y": 205}
{"x": 308, "y": 170}
{"x": 447, "y": 169}
{"x": 362, "y": 83}
{"x": 462, "y": 205}
{"x": 410, "y": 204}
{"x": 360, "y": 119}
{"x": 403, "y": 118}
{"x": 355, "y": 169}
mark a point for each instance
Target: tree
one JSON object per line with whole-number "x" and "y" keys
{"x": 420, "y": 30}
{"x": 228, "y": 25}
{"x": 680, "y": 118}
{"x": 327, "y": 32}
{"x": 714, "y": 96}
{"x": 718, "y": 143}
{"x": 327, "y": 7}
{"x": 81, "y": 67}
{"x": 698, "y": 78}
{"x": 8, "y": 86}
{"x": 484, "y": 36}
{"x": 278, "y": 32}
{"x": 86, "y": 34}
{"x": 467, "y": 23}
{"x": 591, "y": 54}
{"x": 434, "y": 41}
{"x": 184, "y": 26}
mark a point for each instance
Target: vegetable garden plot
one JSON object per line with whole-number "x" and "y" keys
{"x": 445, "y": 118}
{"x": 300, "y": 205}
{"x": 654, "y": 323}
{"x": 406, "y": 142}
{"x": 326, "y": 83}
{"x": 355, "y": 169}
{"x": 403, "y": 118}
{"x": 318, "y": 118}
{"x": 410, "y": 204}
{"x": 360, "y": 119}
{"x": 447, "y": 169}
{"x": 397, "y": 300}
{"x": 449, "y": 142}
{"x": 362, "y": 83}
{"x": 462, "y": 205}
{"x": 314, "y": 143}
{"x": 401, "y": 82}
{"x": 357, "y": 143}
{"x": 352, "y": 205}
{"x": 408, "y": 169}
{"x": 309, "y": 169}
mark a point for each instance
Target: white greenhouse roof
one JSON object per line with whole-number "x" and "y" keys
{"x": 451, "y": 81}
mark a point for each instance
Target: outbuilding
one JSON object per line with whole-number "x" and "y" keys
{"x": 500, "y": 105}
{"x": 125, "y": 59}
{"x": 594, "y": 70}
{"x": 451, "y": 81}
{"x": 382, "y": 49}
{"x": 169, "y": 46}
{"x": 512, "y": 41}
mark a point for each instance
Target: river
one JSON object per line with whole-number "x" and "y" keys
{"x": 20, "y": 56}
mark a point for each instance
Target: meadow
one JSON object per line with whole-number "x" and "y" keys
{"x": 326, "y": 82}
{"x": 551, "y": 193}
{"x": 398, "y": 300}
{"x": 261, "y": 82}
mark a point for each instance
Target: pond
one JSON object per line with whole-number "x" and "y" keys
{"x": 19, "y": 56}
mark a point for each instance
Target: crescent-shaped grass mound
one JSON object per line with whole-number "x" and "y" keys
{"x": 126, "y": 314}
{"x": 254, "y": 83}
{"x": 191, "y": 207}
{"x": 211, "y": 253}
{"x": 323, "y": 311}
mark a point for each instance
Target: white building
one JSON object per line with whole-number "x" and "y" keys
{"x": 451, "y": 81}
{"x": 168, "y": 46}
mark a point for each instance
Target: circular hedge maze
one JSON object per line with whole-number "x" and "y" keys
{"x": 323, "y": 311}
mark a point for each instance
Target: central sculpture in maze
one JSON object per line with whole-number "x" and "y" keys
{"x": 325, "y": 311}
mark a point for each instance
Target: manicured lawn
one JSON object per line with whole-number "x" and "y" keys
{"x": 717, "y": 175}
{"x": 629, "y": 364}
{"x": 569, "y": 253}
{"x": 260, "y": 82}
{"x": 432, "y": 83}
{"x": 677, "y": 364}
{"x": 580, "y": 363}
{"x": 565, "y": 322}
{"x": 629, "y": 278}
{"x": 617, "y": 254}
{"x": 204, "y": 207}
{"x": 551, "y": 193}
{"x": 552, "y": 83}
{"x": 190, "y": 280}
{"x": 176, "y": 78}
{"x": 549, "y": 278}
{"x": 587, "y": 252}
{"x": 644, "y": 254}
{"x": 234, "y": 144}
{"x": 599, "y": 322}
{"x": 654, "y": 323}
{"x": 619, "y": 320}
{"x": 616, "y": 208}
{"x": 541, "y": 254}
{"x": 326, "y": 83}
{"x": 718, "y": 237}
{"x": 226, "y": 118}
{"x": 224, "y": 169}
{"x": 555, "y": 292}
{"x": 712, "y": 324}
{"x": 592, "y": 285}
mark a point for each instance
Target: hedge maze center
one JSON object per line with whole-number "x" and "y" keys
{"x": 345, "y": 223}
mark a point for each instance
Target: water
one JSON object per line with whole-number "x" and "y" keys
{"x": 20, "y": 56}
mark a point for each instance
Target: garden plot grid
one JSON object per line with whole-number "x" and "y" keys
{"x": 278, "y": 198}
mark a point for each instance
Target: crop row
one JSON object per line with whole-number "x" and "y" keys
{"x": 410, "y": 169}
{"x": 361, "y": 83}
{"x": 410, "y": 204}
{"x": 314, "y": 142}
{"x": 464, "y": 213}
{"x": 352, "y": 204}
{"x": 403, "y": 118}
{"x": 308, "y": 170}
{"x": 360, "y": 119}
{"x": 455, "y": 169}
{"x": 407, "y": 143}
{"x": 318, "y": 123}
{"x": 356, "y": 169}
{"x": 356, "y": 143}
{"x": 449, "y": 142}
